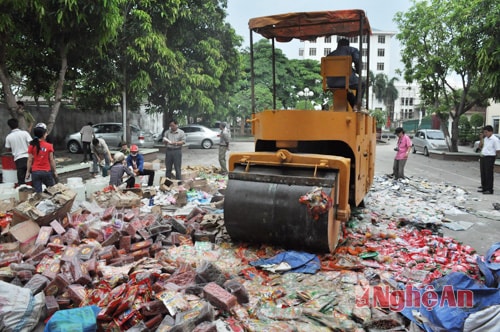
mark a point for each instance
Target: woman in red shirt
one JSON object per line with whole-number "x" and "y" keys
{"x": 41, "y": 162}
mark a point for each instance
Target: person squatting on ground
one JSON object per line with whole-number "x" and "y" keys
{"x": 344, "y": 49}
{"x": 223, "y": 147}
{"x": 135, "y": 161}
{"x": 41, "y": 162}
{"x": 87, "y": 134}
{"x": 489, "y": 153}
{"x": 402, "y": 149}
{"x": 124, "y": 149}
{"x": 100, "y": 152}
{"x": 118, "y": 169}
{"x": 174, "y": 139}
{"x": 17, "y": 142}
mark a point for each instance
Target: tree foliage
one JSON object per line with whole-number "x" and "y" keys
{"x": 291, "y": 77}
{"x": 42, "y": 41}
{"x": 476, "y": 120}
{"x": 178, "y": 56}
{"x": 441, "y": 43}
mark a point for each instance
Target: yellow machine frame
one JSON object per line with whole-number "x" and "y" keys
{"x": 337, "y": 139}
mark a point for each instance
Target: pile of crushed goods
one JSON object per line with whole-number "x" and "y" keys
{"x": 159, "y": 259}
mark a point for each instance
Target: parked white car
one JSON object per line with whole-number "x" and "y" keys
{"x": 198, "y": 135}
{"x": 475, "y": 147}
{"x": 425, "y": 140}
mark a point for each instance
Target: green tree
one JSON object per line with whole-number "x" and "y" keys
{"x": 465, "y": 128}
{"x": 487, "y": 29}
{"x": 42, "y": 40}
{"x": 438, "y": 47}
{"x": 476, "y": 120}
{"x": 380, "y": 86}
{"x": 292, "y": 76}
{"x": 207, "y": 66}
{"x": 380, "y": 117}
{"x": 391, "y": 95}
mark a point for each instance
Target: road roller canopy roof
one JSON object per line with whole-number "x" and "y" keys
{"x": 310, "y": 25}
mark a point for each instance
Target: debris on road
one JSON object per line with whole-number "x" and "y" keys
{"x": 160, "y": 259}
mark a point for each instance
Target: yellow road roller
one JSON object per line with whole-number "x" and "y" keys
{"x": 309, "y": 166}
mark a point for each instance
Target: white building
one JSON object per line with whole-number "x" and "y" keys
{"x": 407, "y": 106}
{"x": 493, "y": 116}
{"x": 380, "y": 62}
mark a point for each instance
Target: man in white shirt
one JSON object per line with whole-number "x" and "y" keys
{"x": 174, "y": 139}
{"x": 489, "y": 152}
{"x": 87, "y": 133}
{"x": 17, "y": 142}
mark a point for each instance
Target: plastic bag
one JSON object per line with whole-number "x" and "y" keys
{"x": 77, "y": 319}
{"x": 490, "y": 266}
{"x": 20, "y": 311}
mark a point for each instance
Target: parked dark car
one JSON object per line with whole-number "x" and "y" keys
{"x": 112, "y": 134}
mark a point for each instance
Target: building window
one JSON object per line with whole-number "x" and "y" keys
{"x": 402, "y": 101}
{"x": 312, "y": 52}
{"x": 365, "y": 39}
{"x": 327, "y": 51}
{"x": 410, "y": 113}
{"x": 352, "y": 40}
{"x": 363, "y": 66}
{"x": 380, "y": 66}
{"x": 301, "y": 52}
{"x": 381, "y": 39}
{"x": 411, "y": 101}
{"x": 495, "y": 125}
{"x": 364, "y": 52}
{"x": 328, "y": 39}
{"x": 381, "y": 52}
{"x": 312, "y": 41}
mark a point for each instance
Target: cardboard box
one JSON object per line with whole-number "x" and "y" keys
{"x": 167, "y": 184}
{"x": 189, "y": 174}
{"x": 26, "y": 233}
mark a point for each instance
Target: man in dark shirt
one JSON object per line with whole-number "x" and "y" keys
{"x": 344, "y": 49}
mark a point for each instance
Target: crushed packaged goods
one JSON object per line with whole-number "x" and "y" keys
{"x": 160, "y": 259}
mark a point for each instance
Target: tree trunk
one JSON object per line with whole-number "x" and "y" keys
{"x": 59, "y": 88}
{"x": 14, "y": 111}
{"x": 454, "y": 133}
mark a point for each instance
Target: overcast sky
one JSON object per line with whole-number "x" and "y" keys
{"x": 380, "y": 14}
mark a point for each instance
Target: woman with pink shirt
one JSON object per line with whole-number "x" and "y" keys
{"x": 403, "y": 150}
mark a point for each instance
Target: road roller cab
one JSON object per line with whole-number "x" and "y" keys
{"x": 309, "y": 166}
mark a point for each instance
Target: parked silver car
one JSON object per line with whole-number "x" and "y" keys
{"x": 425, "y": 140}
{"x": 198, "y": 135}
{"x": 112, "y": 134}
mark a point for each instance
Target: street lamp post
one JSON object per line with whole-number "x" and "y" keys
{"x": 306, "y": 93}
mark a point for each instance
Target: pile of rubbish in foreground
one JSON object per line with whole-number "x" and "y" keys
{"x": 160, "y": 259}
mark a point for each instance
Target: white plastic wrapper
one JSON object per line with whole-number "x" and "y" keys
{"x": 20, "y": 311}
